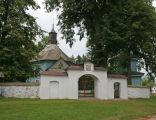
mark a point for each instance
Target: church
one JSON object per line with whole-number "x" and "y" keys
{"x": 62, "y": 79}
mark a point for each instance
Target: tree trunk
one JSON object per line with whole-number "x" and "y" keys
{"x": 105, "y": 65}
{"x": 98, "y": 33}
{"x": 129, "y": 72}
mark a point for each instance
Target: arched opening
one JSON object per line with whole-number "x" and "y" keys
{"x": 86, "y": 86}
{"x": 116, "y": 90}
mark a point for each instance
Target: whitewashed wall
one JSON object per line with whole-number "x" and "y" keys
{"x": 138, "y": 92}
{"x": 123, "y": 87}
{"x": 101, "y": 82}
{"x": 68, "y": 85}
{"x": 19, "y": 90}
{"x": 45, "y": 88}
{"x": 154, "y": 90}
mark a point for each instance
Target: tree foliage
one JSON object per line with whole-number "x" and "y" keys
{"x": 42, "y": 44}
{"x": 149, "y": 81}
{"x": 79, "y": 59}
{"x": 122, "y": 29}
{"x": 18, "y": 31}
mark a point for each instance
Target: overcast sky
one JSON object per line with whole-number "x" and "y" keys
{"x": 45, "y": 20}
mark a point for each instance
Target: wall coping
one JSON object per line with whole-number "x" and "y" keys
{"x": 132, "y": 86}
{"x": 19, "y": 84}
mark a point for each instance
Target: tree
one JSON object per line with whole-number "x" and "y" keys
{"x": 90, "y": 16}
{"x": 73, "y": 59}
{"x": 18, "y": 31}
{"x": 79, "y": 60}
{"x": 149, "y": 81}
{"x": 42, "y": 44}
{"x": 114, "y": 28}
{"x": 82, "y": 59}
{"x": 139, "y": 31}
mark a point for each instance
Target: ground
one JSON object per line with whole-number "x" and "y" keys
{"x": 35, "y": 109}
{"x": 153, "y": 117}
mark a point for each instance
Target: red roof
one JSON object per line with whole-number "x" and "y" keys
{"x": 54, "y": 73}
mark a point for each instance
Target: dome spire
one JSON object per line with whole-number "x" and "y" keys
{"x": 52, "y": 36}
{"x": 53, "y": 28}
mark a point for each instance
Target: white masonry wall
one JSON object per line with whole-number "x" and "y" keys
{"x": 54, "y": 87}
{"x": 123, "y": 87}
{"x": 66, "y": 87}
{"x": 100, "y": 78}
{"x": 138, "y": 92}
{"x": 19, "y": 90}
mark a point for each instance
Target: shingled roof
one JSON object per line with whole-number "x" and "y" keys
{"x": 52, "y": 52}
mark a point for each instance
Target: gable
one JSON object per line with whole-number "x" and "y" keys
{"x": 61, "y": 64}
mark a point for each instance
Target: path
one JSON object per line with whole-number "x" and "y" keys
{"x": 148, "y": 118}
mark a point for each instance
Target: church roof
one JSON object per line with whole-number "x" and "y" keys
{"x": 52, "y": 52}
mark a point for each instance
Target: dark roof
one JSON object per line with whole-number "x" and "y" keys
{"x": 116, "y": 76}
{"x": 19, "y": 84}
{"x": 75, "y": 67}
{"x": 100, "y": 68}
{"x": 54, "y": 73}
{"x": 52, "y": 52}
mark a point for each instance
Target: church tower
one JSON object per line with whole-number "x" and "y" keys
{"x": 52, "y": 37}
{"x": 52, "y": 57}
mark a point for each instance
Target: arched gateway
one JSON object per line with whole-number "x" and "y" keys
{"x": 87, "y": 86}
{"x": 81, "y": 81}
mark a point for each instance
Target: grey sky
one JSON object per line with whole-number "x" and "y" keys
{"x": 45, "y": 20}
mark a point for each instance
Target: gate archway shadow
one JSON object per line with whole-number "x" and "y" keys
{"x": 87, "y": 86}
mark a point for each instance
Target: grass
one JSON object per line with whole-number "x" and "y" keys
{"x": 35, "y": 109}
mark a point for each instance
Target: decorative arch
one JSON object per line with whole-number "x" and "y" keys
{"x": 87, "y": 85}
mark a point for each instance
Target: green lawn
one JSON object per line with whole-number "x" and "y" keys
{"x": 35, "y": 109}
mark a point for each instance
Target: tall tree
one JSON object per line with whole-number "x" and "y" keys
{"x": 114, "y": 28}
{"x": 139, "y": 19}
{"x": 18, "y": 31}
{"x": 90, "y": 16}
